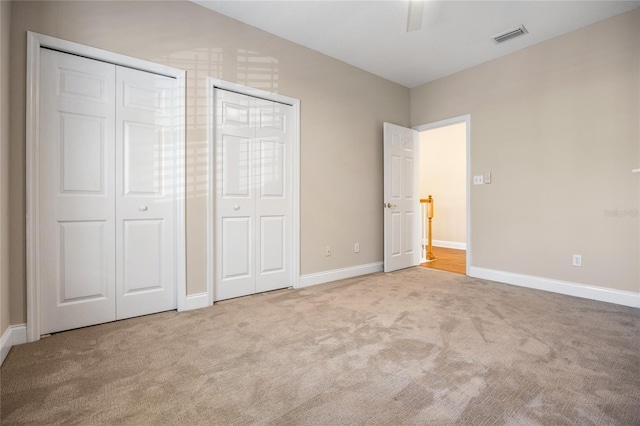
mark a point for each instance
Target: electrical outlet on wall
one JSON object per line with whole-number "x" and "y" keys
{"x": 577, "y": 260}
{"x": 478, "y": 180}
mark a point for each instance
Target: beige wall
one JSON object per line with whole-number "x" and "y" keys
{"x": 5, "y": 26}
{"x": 443, "y": 171}
{"x": 557, "y": 124}
{"x": 343, "y": 109}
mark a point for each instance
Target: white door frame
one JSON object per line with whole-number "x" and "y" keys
{"x": 448, "y": 122}
{"x": 212, "y": 84}
{"x": 35, "y": 42}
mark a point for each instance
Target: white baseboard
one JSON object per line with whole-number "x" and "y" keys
{"x": 13, "y": 335}
{"x": 619, "y": 297}
{"x": 196, "y": 301}
{"x": 338, "y": 274}
{"x": 449, "y": 244}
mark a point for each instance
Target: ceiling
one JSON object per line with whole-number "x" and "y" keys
{"x": 455, "y": 35}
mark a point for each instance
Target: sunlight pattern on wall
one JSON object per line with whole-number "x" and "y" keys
{"x": 256, "y": 70}
{"x": 242, "y": 66}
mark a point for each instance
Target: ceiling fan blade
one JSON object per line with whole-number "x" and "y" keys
{"x": 414, "y": 19}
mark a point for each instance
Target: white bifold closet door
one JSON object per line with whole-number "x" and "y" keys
{"x": 107, "y": 192}
{"x": 254, "y": 195}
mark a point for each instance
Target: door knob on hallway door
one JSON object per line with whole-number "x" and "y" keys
{"x": 390, "y": 206}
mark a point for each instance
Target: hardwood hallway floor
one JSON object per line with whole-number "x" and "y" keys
{"x": 451, "y": 260}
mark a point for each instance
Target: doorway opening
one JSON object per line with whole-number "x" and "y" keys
{"x": 444, "y": 172}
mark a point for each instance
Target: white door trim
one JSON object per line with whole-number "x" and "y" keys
{"x": 212, "y": 84}
{"x": 36, "y": 41}
{"x": 448, "y": 122}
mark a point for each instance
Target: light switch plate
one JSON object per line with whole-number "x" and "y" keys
{"x": 487, "y": 177}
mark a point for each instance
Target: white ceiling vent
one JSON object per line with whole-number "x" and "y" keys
{"x": 509, "y": 34}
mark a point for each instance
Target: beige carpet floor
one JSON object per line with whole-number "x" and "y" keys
{"x": 417, "y": 346}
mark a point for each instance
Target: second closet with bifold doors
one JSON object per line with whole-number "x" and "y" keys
{"x": 254, "y": 194}
{"x": 107, "y": 192}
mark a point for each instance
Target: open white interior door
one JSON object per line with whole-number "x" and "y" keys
{"x": 401, "y": 201}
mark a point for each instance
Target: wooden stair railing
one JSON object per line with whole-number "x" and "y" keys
{"x": 426, "y": 205}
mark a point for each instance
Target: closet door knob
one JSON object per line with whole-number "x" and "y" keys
{"x": 236, "y": 207}
{"x": 144, "y": 208}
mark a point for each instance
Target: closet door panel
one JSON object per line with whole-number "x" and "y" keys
{"x": 273, "y": 136}
{"x": 235, "y": 196}
{"x": 145, "y": 193}
{"x": 142, "y": 269}
{"x": 272, "y": 244}
{"x": 83, "y": 271}
{"x": 253, "y": 203}
{"x": 76, "y": 262}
